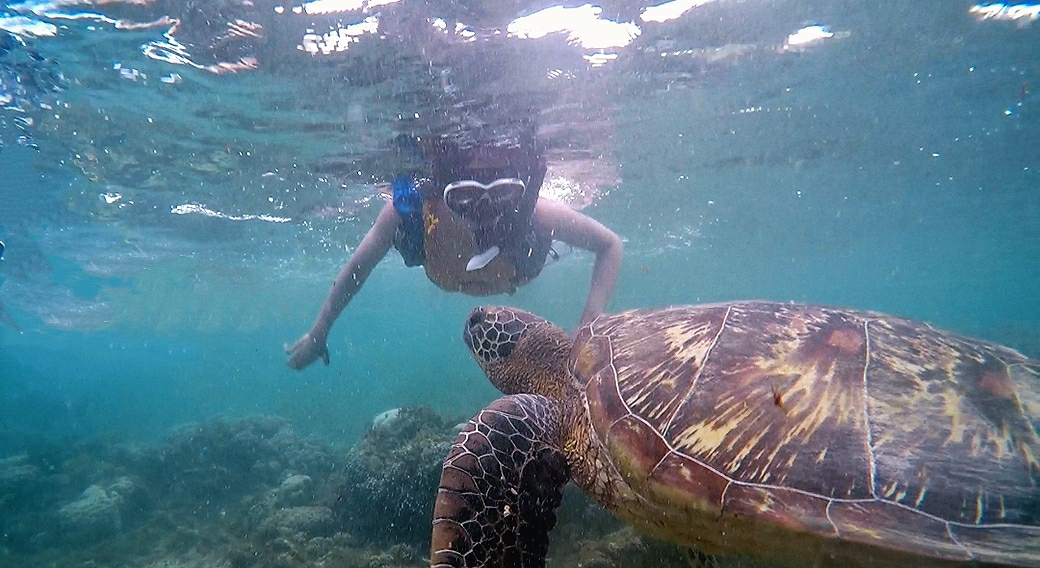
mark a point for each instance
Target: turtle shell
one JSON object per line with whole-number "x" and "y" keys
{"x": 812, "y": 430}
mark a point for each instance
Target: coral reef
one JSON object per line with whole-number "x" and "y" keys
{"x": 295, "y": 490}
{"x": 311, "y": 521}
{"x": 626, "y": 548}
{"x": 235, "y": 493}
{"x": 214, "y": 465}
{"x": 587, "y": 536}
{"x": 17, "y": 476}
{"x": 250, "y": 493}
{"x": 20, "y": 499}
{"x": 394, "y": 472}
{"x": 95, "y": 515}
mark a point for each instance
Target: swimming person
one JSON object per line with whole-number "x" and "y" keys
{"x": 476, "y": 224}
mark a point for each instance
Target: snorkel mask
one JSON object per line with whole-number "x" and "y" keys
{"x": 471, "y": 198}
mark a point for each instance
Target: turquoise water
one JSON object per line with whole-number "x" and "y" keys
{"x": 893, "y": 165}
{"x": 894, "y": 169}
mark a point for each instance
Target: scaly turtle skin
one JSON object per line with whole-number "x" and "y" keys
{"x": 801, "y": 434}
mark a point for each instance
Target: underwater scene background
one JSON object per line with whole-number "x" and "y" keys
{"x": 181, "y": 181}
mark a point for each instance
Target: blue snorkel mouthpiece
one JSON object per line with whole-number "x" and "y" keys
{"x": 407, "y": 199}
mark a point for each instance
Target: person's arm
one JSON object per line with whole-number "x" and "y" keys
{"x": 580, "y": 230}
{"x": 370, "y": 251}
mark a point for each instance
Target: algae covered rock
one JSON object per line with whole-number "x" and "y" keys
{"x": 217, "y": 463}
{"x": 296, "y": 490}
{"x": 94, "y": 516}
{"x": 311, "y": 521}
{"x": 245, "y": 493}
{"x": 391, "y": 477}
{"x": 100, "y": 512}
{"x": 17, "y": 476}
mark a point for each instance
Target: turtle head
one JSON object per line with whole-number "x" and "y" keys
{"x": 519, "y": 351}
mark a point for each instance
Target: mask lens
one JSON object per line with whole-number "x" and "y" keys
{"x": 506, "y": 192}
{"x": 463, "y": 197}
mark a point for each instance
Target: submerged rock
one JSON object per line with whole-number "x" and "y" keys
{"x": 246, "y": 493}
{"x": 386, "y": 419}
{"x": 17, "y": 475}
{"x": 311, "y": 521}
{"x": 94, "y": 516}
{"x": 391, "y": 477}
{"x": 627, "y": 548}
{"x": 296, "y": 490}
{"x": 100, "y": 512}
{"x": 214, "y": 465}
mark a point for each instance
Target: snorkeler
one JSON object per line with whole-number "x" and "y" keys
{"x": 476, "y": 224}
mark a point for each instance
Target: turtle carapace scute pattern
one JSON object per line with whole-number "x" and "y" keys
{"x": 805, "y": 435}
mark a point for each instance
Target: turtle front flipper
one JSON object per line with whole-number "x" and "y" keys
{"x": 502, "y": 482}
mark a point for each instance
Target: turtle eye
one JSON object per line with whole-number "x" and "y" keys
{"x": 476, "y": 318}
{"x": 472, "y": 332}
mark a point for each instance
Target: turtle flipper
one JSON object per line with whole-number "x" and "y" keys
{"x": 502, "y": 482}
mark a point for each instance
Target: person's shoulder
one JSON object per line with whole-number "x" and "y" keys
{"x": 388, "y": 219}
{"x": 544, "y": 204}
{"x": 388, "y": 210}
{"x": 551, "y": 212}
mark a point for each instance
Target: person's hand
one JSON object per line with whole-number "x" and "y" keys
{"x": 306, "y": 350}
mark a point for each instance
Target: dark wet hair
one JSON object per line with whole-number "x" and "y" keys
{"x": 485, "y": 159}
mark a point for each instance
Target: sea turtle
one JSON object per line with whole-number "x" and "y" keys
{"x": 802, "y": 434}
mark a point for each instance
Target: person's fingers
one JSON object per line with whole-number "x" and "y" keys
{"x": 298, "y": 344}
{"x": 305, "y": 351}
